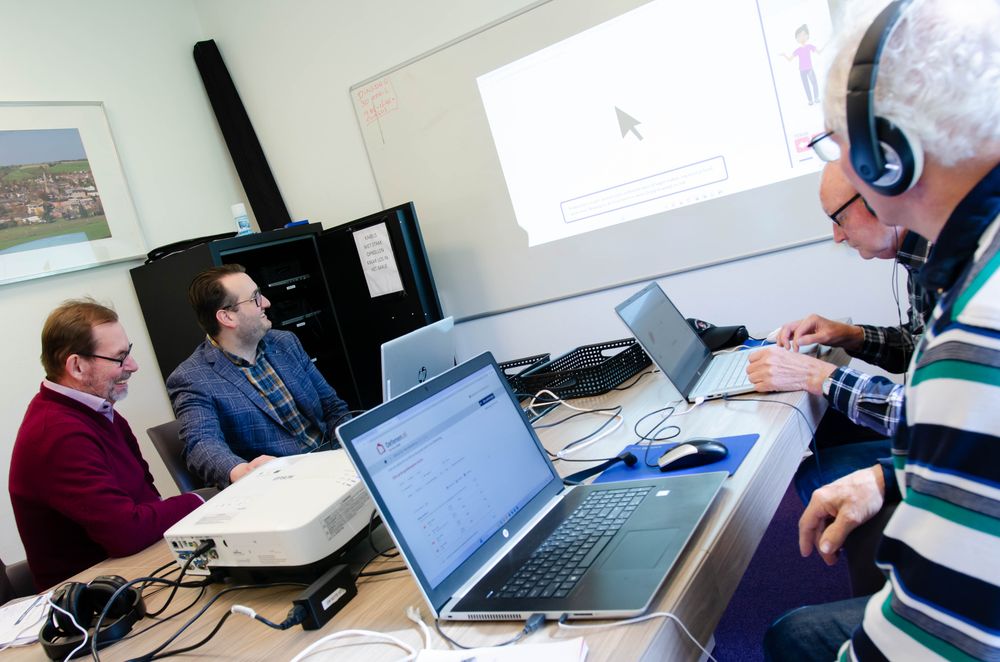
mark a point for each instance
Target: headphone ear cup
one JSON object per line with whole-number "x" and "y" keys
{"x": 101, "y": 590}
{"x": 68, "y": 598}
{"x": 904, "y": 158}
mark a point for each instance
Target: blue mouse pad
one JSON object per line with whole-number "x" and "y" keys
{"x": 738, "y": 447}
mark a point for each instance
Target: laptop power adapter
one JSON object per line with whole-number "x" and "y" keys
{"x": 326, "y": 596}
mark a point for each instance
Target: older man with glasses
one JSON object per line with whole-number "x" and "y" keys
{"x": 864, "y": 409}
{"x": 79, "y": 487}
{"x": 248, "y": 393}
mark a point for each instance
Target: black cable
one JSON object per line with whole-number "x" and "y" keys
{"x": 600, "y": 429}
{"x": 202, "y": 549}
{"x": 371, "y": 540}
{"x": 157, "y": 653}
{"x": 637, "y": 380}
{"x": 653, "y": 434}
{"x": 161, "y": 621}
{"x": 533, "y": 622}
{"x": 616, "y": 409}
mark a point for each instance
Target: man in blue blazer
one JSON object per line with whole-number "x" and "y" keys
{"x": 247, "y": 394}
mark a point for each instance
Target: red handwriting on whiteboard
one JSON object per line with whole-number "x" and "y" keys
{"x": 376, "y": 99}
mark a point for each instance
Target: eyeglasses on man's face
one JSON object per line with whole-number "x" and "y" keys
{"x": 825, "y": 147}
{"x": 120, "y": 360}
{"x": 835, "y": 215}
{"x": 256, "y": 297}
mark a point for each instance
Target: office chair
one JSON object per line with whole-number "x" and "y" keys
{"x": 17, "y": 581}
{"x": 167, "y": 440}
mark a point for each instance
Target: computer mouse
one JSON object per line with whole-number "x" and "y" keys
{"x": 803, "y": 349}
{"x": 693, "y": 453}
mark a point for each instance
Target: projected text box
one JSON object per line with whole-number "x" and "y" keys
{"x": 647, "y": 189}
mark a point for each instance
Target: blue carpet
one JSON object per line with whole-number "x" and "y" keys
{"x": 777, "y": 579}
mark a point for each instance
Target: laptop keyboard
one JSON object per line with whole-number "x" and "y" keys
{"x": 725, "y": 372}
{"x": 558, "y": 564}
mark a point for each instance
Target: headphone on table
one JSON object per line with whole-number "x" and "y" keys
{"x": 85, "y": 602}
{"x": 882, "y": 154}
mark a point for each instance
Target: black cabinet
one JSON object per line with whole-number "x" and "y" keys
{"x": 316, "y": 282}
{"x": 286, "y": 266}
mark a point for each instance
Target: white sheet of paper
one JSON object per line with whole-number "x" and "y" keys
{"x": 378, "y": 260}
{"x": 21, "y": 620}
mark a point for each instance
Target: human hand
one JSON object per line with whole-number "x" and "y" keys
{"x": 837, "y": 509}
{"x": 815, "y": 329}
{"x": 775, "y": 369}
{"x": 244, "y": 468}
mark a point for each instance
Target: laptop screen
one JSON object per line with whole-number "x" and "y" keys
{"x": 451, "y": 469}
{"x": 665, "y": 335}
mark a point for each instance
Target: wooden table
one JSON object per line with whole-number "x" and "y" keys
{"x": 697, "y": 590}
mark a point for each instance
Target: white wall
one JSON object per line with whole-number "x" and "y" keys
{"x": 293, "y": 62}
{"x": 135, "y": 56}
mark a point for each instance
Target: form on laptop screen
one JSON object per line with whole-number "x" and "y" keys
{"x": 453, "y": 469}
{"x": 665, "y": 335}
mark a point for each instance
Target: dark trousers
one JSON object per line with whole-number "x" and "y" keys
{"x": 813, "y": 633}
{"x": 843, "y": 447}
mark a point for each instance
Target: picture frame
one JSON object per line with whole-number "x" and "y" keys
{"x": 64, "y": 200}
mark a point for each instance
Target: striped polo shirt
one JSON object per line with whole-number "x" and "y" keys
{"x": 941, "y": 549}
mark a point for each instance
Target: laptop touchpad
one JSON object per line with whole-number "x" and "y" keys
{"x": 643, "y": 549}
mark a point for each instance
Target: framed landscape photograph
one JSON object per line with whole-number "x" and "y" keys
{"x": 64, "y": 202}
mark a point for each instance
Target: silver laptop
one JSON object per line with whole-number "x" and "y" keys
{"x": 678, "y": 351}
{"x": 416, "y": 357}
{"x": 484, "y": 521}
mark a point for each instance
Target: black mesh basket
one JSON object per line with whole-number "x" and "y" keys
{"x": 588, "y": 370}
{"x": 513, "y": 370}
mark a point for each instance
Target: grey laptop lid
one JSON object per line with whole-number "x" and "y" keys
{"x": 425, "y": 454}
{"x": 665, "y": 335}
{"x": 416, "y": 357}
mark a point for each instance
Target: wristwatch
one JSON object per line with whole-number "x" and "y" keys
{"x": 827, "y": 385}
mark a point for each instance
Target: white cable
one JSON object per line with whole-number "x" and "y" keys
{"x": 413, "y": 613}
{"x": 86, "y": 635}
{"x": 640, "y": 619}
{"x": 411, "y": 652}
{"x": 240, "y": 609}
{"x": 700, "y": 400}
{"x": 556, "y": 400}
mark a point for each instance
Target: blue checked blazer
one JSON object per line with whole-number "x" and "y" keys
{"x": 225, "y": 421}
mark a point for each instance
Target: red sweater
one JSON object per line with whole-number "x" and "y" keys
{"x": 81, "y": 491}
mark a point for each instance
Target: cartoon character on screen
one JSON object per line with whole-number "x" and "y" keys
{"x": 804, "y": 54}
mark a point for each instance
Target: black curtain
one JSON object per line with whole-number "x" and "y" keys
{"x": 248, "y": 156}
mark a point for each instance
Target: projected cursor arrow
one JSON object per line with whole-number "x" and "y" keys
{"x": 627, "y": 123}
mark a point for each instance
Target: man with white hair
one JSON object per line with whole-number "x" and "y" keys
{"x": 913, "y": 111}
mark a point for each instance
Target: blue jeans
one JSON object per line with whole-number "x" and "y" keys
{"x": 813, "y": 633}
{"x": 836, "y": 463}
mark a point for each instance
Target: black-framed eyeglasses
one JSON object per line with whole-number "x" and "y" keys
{"x": 825, "y": 147}
{"x": 120, "y": 360}
{"x": 835, "y": 216}
{"x": 255, "y": 297}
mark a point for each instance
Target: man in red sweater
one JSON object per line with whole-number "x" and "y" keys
{"x": 80, "y": 489}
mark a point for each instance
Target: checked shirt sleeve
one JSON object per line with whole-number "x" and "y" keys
{"x": 874, "y": 402}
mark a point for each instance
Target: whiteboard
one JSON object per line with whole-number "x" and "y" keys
{"x": 428, "y": 140}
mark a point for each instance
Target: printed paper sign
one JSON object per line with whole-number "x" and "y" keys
{"x": 378, "y": 261}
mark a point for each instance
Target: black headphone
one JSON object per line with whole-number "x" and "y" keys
{"x": 625, "y": 456}
{"x": 882, "y": 154}
{"x": 59, "y": 637}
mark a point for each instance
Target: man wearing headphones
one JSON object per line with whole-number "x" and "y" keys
{"x": 80, "y": 490}
{"x": 913, "y": 108}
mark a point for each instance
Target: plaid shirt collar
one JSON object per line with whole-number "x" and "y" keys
{"x": 239, "y": 361}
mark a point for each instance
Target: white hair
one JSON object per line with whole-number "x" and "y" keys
{"x": 939, "y": 74}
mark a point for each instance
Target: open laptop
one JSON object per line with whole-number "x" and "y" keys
{"x": 416, "y": 357}
{"x": 472, "y": 501}
{"x": 678, "y": 351}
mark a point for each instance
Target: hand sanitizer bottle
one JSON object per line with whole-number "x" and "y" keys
{"x": 242, "y": 220}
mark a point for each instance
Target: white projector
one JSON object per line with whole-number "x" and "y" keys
{"x": 288, "y": 517}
